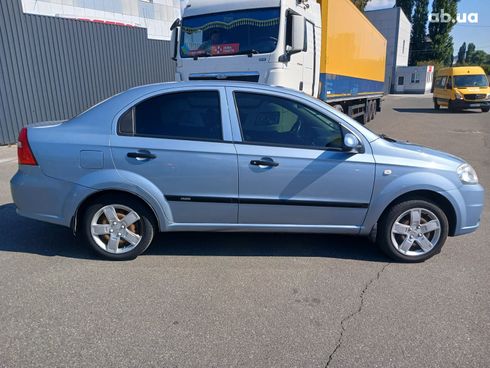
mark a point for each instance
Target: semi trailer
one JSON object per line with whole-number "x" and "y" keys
{"x": 327, "y": 49}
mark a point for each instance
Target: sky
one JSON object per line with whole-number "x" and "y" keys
{"x": 478, "y": 33}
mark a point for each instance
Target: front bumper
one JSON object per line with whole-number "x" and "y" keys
{"x": 466, "y": 104}
{"x": 468, "y": 202}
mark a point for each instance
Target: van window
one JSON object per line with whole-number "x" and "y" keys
{"x": 471, "y": 81}
{"x": 183, "y": 115}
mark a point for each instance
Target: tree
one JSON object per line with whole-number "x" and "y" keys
{"x": 443, "y": 19}
{"x": 418, "y": 48}
{"x": 470, "y": 52}
{"x": 407, "y": 7}
{"x": 361, "y": 4}
{"x": 462, "y": 54}
{"x": 479, "y": 57}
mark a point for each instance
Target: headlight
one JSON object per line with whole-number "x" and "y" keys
{"x": 459, "y": 96}
{"x": 467, "y": 174}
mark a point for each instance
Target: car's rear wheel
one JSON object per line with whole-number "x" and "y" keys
{"x": 485, "y": 109}
{"x": 118, "y": 228}
{"x": 413, "y": 231}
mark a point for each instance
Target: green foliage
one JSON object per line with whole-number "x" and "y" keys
{"x": 470, "y": 52}
{"x": 418, "y": 48}
{"x": 462, "y": 54}
{"x": 361, "y": 4}
{"x": 407, "y": 7}
{"x": 439, "y": 31}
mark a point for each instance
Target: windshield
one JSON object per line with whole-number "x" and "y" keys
{"x": 462, "y": 81}
{"x": 230, "y": 33}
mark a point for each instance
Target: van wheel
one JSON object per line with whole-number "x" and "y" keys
{"x": 450, "y": 106}
{"x": 485, "y": 109}
{"x": 118, "y": 228}
{"x": 413, "y": 231}
{"x": 436, "y": 105}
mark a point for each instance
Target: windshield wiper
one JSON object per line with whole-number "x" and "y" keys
{"x": 386, "y": 138}
{"x": 250, "y": 52}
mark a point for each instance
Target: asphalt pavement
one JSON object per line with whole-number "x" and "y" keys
{"x": 252, "y": 300}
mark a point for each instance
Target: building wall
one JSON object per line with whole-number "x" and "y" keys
{"x": 416, "y": 79}
{"x": 155, "y": 15}
{"x": 396, "y": 28}
{"x": 54, "y": 68}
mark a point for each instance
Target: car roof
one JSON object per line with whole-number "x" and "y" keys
{"x": 461, "y": 70}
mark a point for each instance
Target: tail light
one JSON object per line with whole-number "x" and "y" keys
{"x": 24, "y": 153}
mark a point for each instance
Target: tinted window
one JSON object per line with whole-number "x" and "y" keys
{"x": 186, "y": 115}
{"x": 274, "y": 120}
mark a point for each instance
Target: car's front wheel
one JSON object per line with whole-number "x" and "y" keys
{"x": 485, "y": 109}
{"x": 413, "y": 231}
{"x": 118, "y": 228}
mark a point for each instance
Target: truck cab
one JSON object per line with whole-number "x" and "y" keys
{"x": 275, "y": 42}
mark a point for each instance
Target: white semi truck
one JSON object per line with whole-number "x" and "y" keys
{"x": 327, "y": 49}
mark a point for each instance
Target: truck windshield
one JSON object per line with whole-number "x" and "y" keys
{"x": 230, "y": 33}
{"x": 478, "y": 80}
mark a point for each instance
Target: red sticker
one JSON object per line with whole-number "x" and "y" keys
{"x": 225, "y": 49}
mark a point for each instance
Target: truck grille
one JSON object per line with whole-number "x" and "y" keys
{"x": 240, "y": 78}
{"x": 474, "y": 97}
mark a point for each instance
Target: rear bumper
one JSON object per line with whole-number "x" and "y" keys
{"x": 468, "y": 201}
{"x": 43, "y": 198}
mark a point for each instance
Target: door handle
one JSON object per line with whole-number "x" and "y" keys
{"x": 265, "y": 161}
{"x": 142, "y": 155}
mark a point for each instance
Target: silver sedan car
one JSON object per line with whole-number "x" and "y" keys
{"x": 231, "y": 156}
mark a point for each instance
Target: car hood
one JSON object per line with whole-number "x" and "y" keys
{"x": 408, "y": 154}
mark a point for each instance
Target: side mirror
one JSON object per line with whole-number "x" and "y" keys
{"x": 352, "y": 144}
{"x": 174, "y": 40}
{"x": 296, "y": 36}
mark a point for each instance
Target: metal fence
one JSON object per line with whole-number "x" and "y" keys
{"x": 54, "y": 68}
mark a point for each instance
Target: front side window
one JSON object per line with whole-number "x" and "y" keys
{"x": 252, "y": 31}
{"x": 274, "y": 120}
{"x": 462, "y": 81}
{"x": 182, "y": 115}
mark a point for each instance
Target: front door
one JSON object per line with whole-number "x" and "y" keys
{"x": 309, "y": 60}
{"x": 292, "y": 167}
{"x": 178, "y": 142}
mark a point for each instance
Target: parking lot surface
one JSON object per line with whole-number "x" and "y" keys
{"x": 253, "y": 300}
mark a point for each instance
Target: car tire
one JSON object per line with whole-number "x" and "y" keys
{"x": 118, "y": 228}
{"x": 413, "y": 231}
{"x": 436, "y": 105}
{"x": 485, "y": 109}
{"x": 451, "y": 107}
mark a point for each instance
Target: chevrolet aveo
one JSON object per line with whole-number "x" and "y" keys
{"x": 223, "y": 156}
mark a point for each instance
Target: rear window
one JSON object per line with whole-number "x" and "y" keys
{"x": 184, "y": 115}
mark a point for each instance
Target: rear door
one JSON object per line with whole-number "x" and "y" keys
{"x": 180, "y": 142}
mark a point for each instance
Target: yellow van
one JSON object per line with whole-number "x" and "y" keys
{"x": 462, "y": 87}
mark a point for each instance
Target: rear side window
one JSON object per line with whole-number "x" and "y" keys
{"x": 184, "y": 115}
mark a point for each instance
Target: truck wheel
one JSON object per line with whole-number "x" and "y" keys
{"x": 485, "y": 109}
{"x": 118, "y": 228}
{"x": 436, "y": 105}
{"x": 413, "y": 231}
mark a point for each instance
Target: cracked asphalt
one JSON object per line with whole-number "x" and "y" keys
{"x": 252, "y": 300}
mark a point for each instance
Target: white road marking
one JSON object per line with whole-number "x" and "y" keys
{"x": 7, "y": 160}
